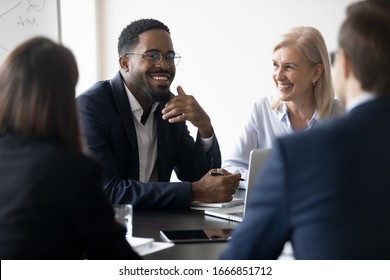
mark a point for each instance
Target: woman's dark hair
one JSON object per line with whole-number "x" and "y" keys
{"x": 37, "y": 92}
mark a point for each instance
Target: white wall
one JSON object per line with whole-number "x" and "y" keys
{"x": 225, "y": 45}
{"x": 79, "y": 33}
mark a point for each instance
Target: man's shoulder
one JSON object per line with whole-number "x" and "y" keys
{"x": 96, "y": 97}
{"x": 96, "y": 90}
{"x": 103, "y": 92}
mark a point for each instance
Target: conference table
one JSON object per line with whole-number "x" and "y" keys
{"x": 148, "y": 223}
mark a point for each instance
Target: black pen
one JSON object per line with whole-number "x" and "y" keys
{"x": 219, "y": 172}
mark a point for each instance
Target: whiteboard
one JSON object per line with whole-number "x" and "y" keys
{"x": 23, "y": 19}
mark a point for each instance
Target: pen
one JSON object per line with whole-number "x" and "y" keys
{"x": 219, "y": 172}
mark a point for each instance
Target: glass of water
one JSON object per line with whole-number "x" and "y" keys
{"x": 124, "y": 216}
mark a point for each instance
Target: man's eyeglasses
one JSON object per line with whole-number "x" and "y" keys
{"x": 155, "y": 57}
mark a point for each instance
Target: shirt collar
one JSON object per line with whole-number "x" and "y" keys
{"x": 363, "y": 98}
{"x": 134, "y": 104}
{"x": 314, "y": 119}
{"x": 281, "y": 112}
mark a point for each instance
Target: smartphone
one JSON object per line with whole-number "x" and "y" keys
{"x": 196, "y": 235}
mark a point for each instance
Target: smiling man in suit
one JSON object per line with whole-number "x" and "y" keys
{"x": 136, "y": 127}
{"x": 327, "y": 190}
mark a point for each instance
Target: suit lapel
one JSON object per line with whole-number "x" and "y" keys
{"x": 124, "y": 110}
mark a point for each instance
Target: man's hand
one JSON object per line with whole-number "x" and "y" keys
{"x": 215, "y": 188}
{"x": 184, "y": 107}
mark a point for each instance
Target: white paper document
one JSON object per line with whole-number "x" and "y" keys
{"x": 144, "y": 246}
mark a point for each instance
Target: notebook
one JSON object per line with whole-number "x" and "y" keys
{"x": 202, "y": 205}
{"x": 257, "y": 159}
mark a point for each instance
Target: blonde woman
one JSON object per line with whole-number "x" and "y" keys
{"x": 304, "y": 96}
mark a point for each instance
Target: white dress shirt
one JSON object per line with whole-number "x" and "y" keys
{"x": 147, "y": 140}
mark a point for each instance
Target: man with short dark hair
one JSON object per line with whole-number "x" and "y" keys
{"x": 137, "y": 129}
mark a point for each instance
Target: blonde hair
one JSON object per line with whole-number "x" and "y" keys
{"x": 311, "y": 45}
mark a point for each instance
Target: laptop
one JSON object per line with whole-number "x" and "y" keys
{"x": 257, "y": 160}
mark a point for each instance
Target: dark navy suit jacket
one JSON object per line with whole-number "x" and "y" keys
{"x": 109, "y": 130}
{"x": 52, "y": 205}
{"x": 326, "y": 190}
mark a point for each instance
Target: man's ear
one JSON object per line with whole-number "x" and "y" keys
{"x": 124, "y": 63}
{"x": 344, "y": 63}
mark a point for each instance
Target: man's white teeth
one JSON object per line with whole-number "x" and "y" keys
{"x": 284, "y": 85}
{"x": 160, "y": 78}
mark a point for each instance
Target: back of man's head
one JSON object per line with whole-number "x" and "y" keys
{"x": 364, "y": 37}
{"x": 382, "y": 4}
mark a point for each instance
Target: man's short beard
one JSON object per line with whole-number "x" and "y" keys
{"x": 161, "y": 97}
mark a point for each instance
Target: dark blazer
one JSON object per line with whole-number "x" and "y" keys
{"x": 52, "y": 205}
{"x": 326, "y": 190}
{"x": 109, "y": 130}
